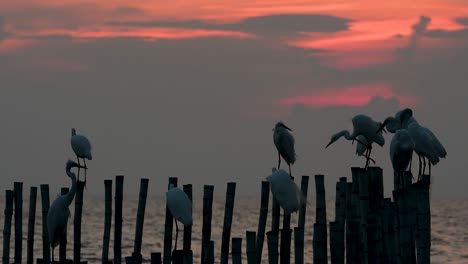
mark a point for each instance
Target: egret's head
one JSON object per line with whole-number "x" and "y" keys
{"x": 405, "y": 115}
{"x": 70, "y": 165}
{"x": 382, "y": 125}
{"x": 334, "y": 138}
{"x": 280, "y": 124}
{"x": 73, "y": 131}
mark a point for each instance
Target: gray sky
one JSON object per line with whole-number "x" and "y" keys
{"x": 202, "y": 109}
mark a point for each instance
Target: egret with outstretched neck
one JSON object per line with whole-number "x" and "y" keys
{"x": 180, "y": 207}
{"x": 362, "y": 126}
{"x": 82, "y": 148}
{"x": 57, "y": 217}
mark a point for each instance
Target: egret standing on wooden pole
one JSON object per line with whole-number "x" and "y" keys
{"x": 82, "y": 148}
{"x": 286, "y": 192}
{"x": 362, "y": 126}
{"x": 57, "y": 217}
{"x": 284, "y": 143}
{"x": 401, "y": 151}
{"x": 180, "y": 206}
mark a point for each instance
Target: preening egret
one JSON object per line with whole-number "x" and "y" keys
{"x": 284, "y": 143}
{"x": 401, "y": 151}
{"x": 82, "y": 148}
{"x": 362, "y": 126}
{"x": 426, "y": 144}
{"x": 180, "y": 206}
{"x": 285, "y": 191}
{"x": 57, "y": 217}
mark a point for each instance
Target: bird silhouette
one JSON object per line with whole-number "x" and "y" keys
{"x": 285, "y": 191}
{"x": 365, "y": 127}
{"x": 82, "y": 148}
{"x": 401, "y": 151}
{"x": 58, "y": 214}
{"x": 284, "y": 143}
{"x": 180, "y": 207}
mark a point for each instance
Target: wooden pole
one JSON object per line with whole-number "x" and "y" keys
{"x": 272, "y": 238}
{"x": 209, "y": 252}
{"x": 340, "y": 218}
{"x": 77, "y": 222}
{"x": 63, "y": 241}
{"x": 156, "y": 258}
{"x": 320, "y": 227}
{"x": 119, "y": 181}
{"x": 168, "y": 227}
{"x": 376, "y": 195}
{"x": 352, "y": 218}
{"x": 299, "y": 245}
{"x": 265, "y": 197}
{"x": 45, "y": 232}
{"x": 187, "y": 244}
{"x": 236, "y": 250}
{"x": 334, "y": 226}
{"x": 9, "y": 198}
{"x": 401, "y": 197}
{"x": 136, "y": 255}
{"x": 31, "y": 224}
{"x": 207, "y": 213}
{"x": 364, "y": 210}
{"x": 228, "y": 212}
{"x": 251, "y": 247}
{"x": 18, "y": 188}
{"x": 424, "y": 220}
{"x": 387, "y": 234}
{"x": 107, "y": 221}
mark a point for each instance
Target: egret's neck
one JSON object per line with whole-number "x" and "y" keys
{"x": 345, "y": 134}
{"x": 71, "y": 193}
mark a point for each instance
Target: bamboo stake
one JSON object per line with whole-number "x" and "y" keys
{"x": 77, "y": 222}
{"x": 45, "y": 233}
{"x": 320, "y": 226}
{"x": 228, "y": 212}
{"x": 63, "y": 241}
{"x": 251, "y": 247}
{"x": 18, "y": 188}
{"x": 107, "y": 221}
{"x": 207, "y": 214}
{"x": 31, "y": 224}
{"x": 236, "y": 250}
{"x": 272, "y": 238}
{"x": 119, "y": 181}
{"x": 136, "y": 255}
{"x": 265, "y": 196}
{"x": 9, "y": 198}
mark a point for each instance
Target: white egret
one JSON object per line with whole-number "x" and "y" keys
{"x": 284, "y": 143}
{"x": 180, "y": 207}
{"x": 82, "y": 148}
{"x": 427, "y": 145}
{"x": 401, "y": 151}
{"x": 362, "y": 126}
{"x": 285, "y": 191}
{"x": 57, "y": 217}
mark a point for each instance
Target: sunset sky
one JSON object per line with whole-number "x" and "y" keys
{"x": 193, "y": 88}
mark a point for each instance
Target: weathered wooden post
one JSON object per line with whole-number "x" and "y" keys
{"x": 320, "y": 226}
{"x": 251, "y": 247}
{"x": 423, "y": 241}
{"x": 207, "y": 214}
{"x": 272, "y": 239}
{"x": 31, "y": 224}
{"x": 298, "y": 245}
{"x": 236, "y": 250}
{"x": 119, "y": 181}
{"x": 364, "y": 210}
{"x": 285, "y": 246}
{"x": 299, "y": 233}
{"x": 209, "y": 252}
{"x": 77, "y": 222}
{"x": 228, "y": 211}
{"x": 275, "y": 212}
{"x": 9, "y": 198}
{"x": 136, "y": 255}
{"x": 401, "y": 197}
{"x": 168, "y": 227}
{"x": 18, "y": 188}
{"x": 107, "y": 221}
{"x": 376, "y": 207}
{"x": 334, "y": 226}
{"x": 340, "y": 217}
{"x": 63, "y": 241}
{"x": 45, "y": 232}
{"x": 156, "y": 258}
{"x": 187, "y": 244}
{"x": 387, "y": 234}
{"x": 262, "y": 219}
{"x": 352, "y": 218}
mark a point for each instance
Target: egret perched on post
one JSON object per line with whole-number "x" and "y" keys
{"x": 285, "y": 191}
{"x": 180, "y": 207}
{"x": 426, "y": 144}
{"x": 284, "y": 143}
{"x": 82, "y": 148}
{"x": 57, "y": 217}
{"x": 362, "y": 126}
{"x": 401, "y": 151}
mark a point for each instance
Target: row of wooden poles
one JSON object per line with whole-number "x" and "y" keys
{"x": 367, "y": 227}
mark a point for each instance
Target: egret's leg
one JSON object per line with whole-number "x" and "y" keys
{"x": 290, "y": 175}
{"x": 430, "y": 168}
{"x": 420, "y": 166}
{"x": 52, "y": 255}
{"x": 85, "y": 169}
{"x": 78, "y": 159}
{"x": 424, "y": 168}
{"x": 368, "y": 157}
{"x": 279, "y": 160}
{"x": 410, "y": 162}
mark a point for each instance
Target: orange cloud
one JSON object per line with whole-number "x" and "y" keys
{"x": 359, "y": 95}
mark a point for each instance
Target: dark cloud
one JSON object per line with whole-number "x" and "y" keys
{"x": 3, "y": 33}
{"x": 462, "y": 21}
{"x": 442, "y": 33}
{"x": 128, "y": 11}
{"x": 263, "y": 25}
{"x": 418, "y": 30}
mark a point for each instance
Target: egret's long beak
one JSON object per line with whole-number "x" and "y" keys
{"x": 329, "y": 144}
{"x": 382, "y": 127}
{"x": 287, "y": 127}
